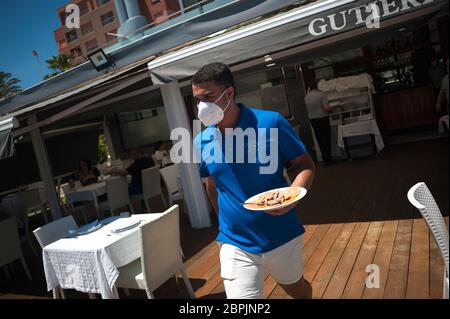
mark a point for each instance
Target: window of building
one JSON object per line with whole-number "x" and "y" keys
{"x": 102, "y": 2}
{"x": 107, "y": 18}
{"x": 76, "y": 52}
{"x": 87, "y": 28}
{"x": 62, "y": 44}
{"x": 83, "y": 7}
{"x": 71, "y": 36}
{"x": 91, "y": 45}
{"x": 263, "y": 89}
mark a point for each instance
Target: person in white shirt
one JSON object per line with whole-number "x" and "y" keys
{"x": 318, "y": 111}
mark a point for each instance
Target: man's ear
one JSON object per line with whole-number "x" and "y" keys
{"x": 232, "y": 94}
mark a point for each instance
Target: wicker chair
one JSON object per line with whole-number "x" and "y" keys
{"x": 161, "y": 256}
{"x": 420, "y": 197}
{"x": 11, "y": 250}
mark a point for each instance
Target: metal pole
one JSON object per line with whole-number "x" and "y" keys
{"x": 40, "y": 152}
{"x": 181, "y": 4}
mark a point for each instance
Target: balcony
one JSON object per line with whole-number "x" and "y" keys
{"x": 173, "y": 19}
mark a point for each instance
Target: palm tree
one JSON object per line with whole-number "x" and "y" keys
{"x": 8, "y": 85}
{"x": 60, "y": 63}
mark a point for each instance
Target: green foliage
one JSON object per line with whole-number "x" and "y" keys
{"x": 102, "y": 149}
{"x": 59, "y": 63}
{"x": 8, "y": 85}
{"x": 49, "y": 76}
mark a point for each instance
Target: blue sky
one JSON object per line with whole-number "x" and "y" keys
{"x": 27, "y": 25}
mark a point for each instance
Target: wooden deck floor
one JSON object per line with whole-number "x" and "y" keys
{"x": 336, "y": 256}
{"x": 356, "y": 214}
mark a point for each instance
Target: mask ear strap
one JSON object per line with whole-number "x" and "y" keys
{"x": 221, "y": 95}
{"x": 226, "y": 107}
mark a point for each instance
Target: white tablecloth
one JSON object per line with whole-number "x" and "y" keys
{"x": 360, "y": 128}
{"x": 89, "y": 263}
{"x": 87, "y": 193}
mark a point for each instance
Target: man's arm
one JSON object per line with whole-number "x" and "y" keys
{"x": 305, "y": 170}
{"x": 325, "y": 105}
{"x": 212, "y": 193}
{"x": 327, "y": 108}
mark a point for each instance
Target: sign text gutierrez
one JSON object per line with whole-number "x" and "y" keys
{"x": 369, "y": 14}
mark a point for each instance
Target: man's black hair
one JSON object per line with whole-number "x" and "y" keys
{"x": 217, "y": 72}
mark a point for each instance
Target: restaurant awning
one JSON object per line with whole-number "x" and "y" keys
{"x": 218, "y": 15}
{"x": 299, "y": 27}
{"x": 6, "y": 141}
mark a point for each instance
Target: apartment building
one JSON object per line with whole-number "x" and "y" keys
{"x": 100, "y": 21}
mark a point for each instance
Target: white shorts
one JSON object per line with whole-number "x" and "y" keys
{"x": 243, "y": 273}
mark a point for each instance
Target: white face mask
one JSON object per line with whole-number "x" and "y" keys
{"x": 210, "y": 113}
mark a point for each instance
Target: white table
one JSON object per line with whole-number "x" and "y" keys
{"x": 90, "y": 263}
{"x": 360, "y": 128}
{"x": 88, "y": 193}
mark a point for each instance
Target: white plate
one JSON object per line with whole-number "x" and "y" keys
{"x": 123, "y": 224}
{"x": 86, "y": 229}
{"x": 253, "y": 199}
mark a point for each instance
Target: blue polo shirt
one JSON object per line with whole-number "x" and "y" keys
{"x": 239, "y": 178}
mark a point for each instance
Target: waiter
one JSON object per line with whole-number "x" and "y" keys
{"x": 318, "y": 111}
{"x": 251, "y": 243}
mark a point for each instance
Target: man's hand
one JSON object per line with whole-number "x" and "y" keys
{"x": 281, "y": 211}
{"x": 305, "y": 168}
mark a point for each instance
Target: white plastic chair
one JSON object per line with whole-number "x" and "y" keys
{"x": 170, "y": 177}
{"x": 11, "y": 250}
{"x": 52, "y": 232}
{"x": 160, "y": 256}
{"x": 151, "y": 186}
{"x": 117, "y": 192}
{"x": 31, "y": 200}
{"x": 420, "y": 196}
